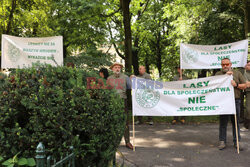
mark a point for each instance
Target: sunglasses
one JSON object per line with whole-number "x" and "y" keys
{"x": 225, "y": 64}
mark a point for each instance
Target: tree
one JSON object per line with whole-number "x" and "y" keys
{"x": 24, "y": 18}
{"x": 79, "y": 22}
{"x": 127, "y": 32}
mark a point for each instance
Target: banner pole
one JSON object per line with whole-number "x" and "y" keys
{"x": 236, "y": 131}
{"x": 133, "y": 133}
{"x": 180, "y": 74}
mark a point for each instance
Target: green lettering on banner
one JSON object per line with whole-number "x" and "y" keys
{"x": 204, "y": 91}
{"x": 215, "y": 64}
{"x": 223, "y": 57}
{"x": 35, "y": 43}
{"x": 36, "y": 57}
{"x": 202, "y": 99}
{"x": 30, "y": 50}
{"x": 197, "y": 85}
{"x": 223, "y": 47}
{"x": 235, "y": 62}
{"x": 204, "y": 53}
{"x": 198, "y": 108}
{"x": 168, "y": 92}
{"x": 194, "y": 100}
{"x": 47, "y": 50}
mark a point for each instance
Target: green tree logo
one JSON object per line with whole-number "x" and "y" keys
{"x": 147, "y": 98}
{"x": 190, "y": 56}
{"x": 13, "y": 53}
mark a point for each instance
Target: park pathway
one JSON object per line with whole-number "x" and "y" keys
{"x": 165, "y": 145}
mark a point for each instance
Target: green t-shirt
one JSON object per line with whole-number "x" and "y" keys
{"x": 120, "y": 83}
{"x": 177, "y": 77}
{"x": 238, "y": 78}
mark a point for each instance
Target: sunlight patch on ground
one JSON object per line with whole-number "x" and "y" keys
{"x": 166, "y": 131}
{"x": 159, "y": 143}
{"x": 191, "y": 144}
{"x": 178, "y": 159}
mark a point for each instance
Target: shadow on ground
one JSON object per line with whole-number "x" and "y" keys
{"x": 184, "y": 146}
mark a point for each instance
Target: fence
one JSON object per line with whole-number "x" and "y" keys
{"x": 42, "y": 161}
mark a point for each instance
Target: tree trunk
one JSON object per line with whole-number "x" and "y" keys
{"x": 128, "y": 38}
{"x": 246, "y": 17}
{"x": 128, "y": 43}
{"x": 13, "y": 7}
{"x": 65, "y": 50}
{"x": 147, "y": 64}
{"x": 158, "y": 52}
{"x": 135, "y": 61}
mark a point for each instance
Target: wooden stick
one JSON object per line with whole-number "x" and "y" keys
{"x": 133, "y": 133}
{"x": 236, "y": 131}
{"x": 180, "y": 74}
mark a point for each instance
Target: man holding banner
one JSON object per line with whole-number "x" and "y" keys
{"x": 121, "y": 83}
{"x": 144, "y": 75}
{"x": 238, "y": 83}
{"x": 247, "y": 76}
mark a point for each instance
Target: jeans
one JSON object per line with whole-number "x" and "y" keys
{"x": 224, "y": 121}
{"x": 248, "y": 105}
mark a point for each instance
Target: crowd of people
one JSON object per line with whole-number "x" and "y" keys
{"x": 240, "y": 82}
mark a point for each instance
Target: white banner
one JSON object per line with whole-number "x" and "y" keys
{"x": 210, "y": 56}
{"x": 204, "y": 96}
{"x": 18, "y": 52}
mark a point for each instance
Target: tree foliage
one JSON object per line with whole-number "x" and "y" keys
{"x": 157, "y": 27}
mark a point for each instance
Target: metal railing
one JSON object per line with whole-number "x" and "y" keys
{"x": 42, "y": 161}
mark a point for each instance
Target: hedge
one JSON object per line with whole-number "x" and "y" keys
{"x": 53, "y": 106}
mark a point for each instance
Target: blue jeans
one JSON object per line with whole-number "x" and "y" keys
{"x": 224, "y": 121}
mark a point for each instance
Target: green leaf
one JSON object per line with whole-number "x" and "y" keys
{"x": 22, "y": 161}
{"x": 7, "y": 162}
{"x": 1, "y": 158}
{"x": 31, "y": 162}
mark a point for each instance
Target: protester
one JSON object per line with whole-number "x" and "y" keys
{"x": 238, "y": 83}
{"x": 144, "y": 75}
{"x": 121, "y": 83}
{"x": 103, "y": 72}
{"x": 247, "y": 76}
{"x": 178, "y": 77}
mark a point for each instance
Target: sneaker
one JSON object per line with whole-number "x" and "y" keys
{"x": 174, "y": 122}
{"x": 243, "y": 129}
{"x": 222, "y": 145}
{"x": 151, "y": 123}
{"x": 240, "y": 146}
{"x": 183, "y": 121}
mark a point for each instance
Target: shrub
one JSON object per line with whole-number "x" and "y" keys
{"x": 2, "y": 78}
{"x": 52, "y": 105}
